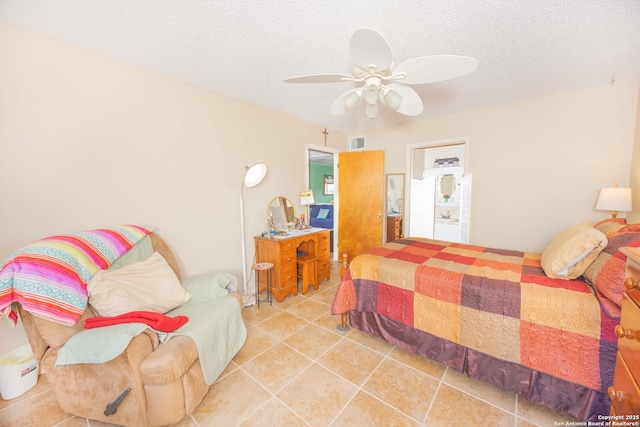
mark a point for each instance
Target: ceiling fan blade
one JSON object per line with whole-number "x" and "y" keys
{"x": 346, "y": 101}
{"x": 434, "y": 68}
{"x": 368, "y": 47}
{"x": 402, "y": 99}
{"x": 320, "y": 78}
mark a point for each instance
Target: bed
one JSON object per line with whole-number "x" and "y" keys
{"x": 497, "y": 315}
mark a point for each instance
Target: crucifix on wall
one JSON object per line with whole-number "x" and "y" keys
{"x": 325, "y": 136}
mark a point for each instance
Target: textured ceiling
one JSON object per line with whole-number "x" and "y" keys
{"x": 246, "y": 49}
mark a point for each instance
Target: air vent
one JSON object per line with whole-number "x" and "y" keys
{"x": 356, "y": 143}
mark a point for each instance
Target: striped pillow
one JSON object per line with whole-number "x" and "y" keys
{"x": 607, "y": 272}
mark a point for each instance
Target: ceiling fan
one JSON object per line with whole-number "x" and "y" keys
{"x": 382, "y": 81}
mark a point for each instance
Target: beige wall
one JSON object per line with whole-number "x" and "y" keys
{"x": 87, "y": 141}
{"x": 634, "y": 216}
{"x": 537, "y": 164}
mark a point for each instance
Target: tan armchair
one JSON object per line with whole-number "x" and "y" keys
{"x": 165, "y": 380}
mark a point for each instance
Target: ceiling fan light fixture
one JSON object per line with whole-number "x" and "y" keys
{"x": 371, "y": 89}
{"x": 374, "y": 68}
{"x": 351, "y": 100}
{"x": 372, "y": 110}
{"x": 392, "y": 98}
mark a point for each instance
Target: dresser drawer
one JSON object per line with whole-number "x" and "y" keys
{"x": 288, "y": 259}
{"x": 628, "y": 333}
{"x": 624, "y": 394}
{"x": 287, "y": 245}
{"x": 289, "y": 276}
{"x": 324, "y": 263}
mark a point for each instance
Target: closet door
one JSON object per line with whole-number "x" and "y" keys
{"x": 422, "y": 207}
{"x": 465, "y": 208}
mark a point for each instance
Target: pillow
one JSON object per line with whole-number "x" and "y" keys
{"x": 572, "y": 251}
{"x": 207, "y": 286}
{"x": 323, "y": 213}
{"x": 149, "y": 285}
{"x": 611, "y": 226}
{"x": 608, "y": 271}
{"x": 139, "y": 252}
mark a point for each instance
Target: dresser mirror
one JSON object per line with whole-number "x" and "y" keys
{"x": 395, "y": 193}
{"x": 281, "y": 214}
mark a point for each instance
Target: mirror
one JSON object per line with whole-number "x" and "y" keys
{"x": 395, "y": 193}
{"x": 281, "y": 214}
{"x": 447, "y": 185}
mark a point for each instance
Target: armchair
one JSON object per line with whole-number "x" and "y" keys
{"x": 165, "y": 379}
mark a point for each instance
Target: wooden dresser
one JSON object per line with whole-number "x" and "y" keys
{"x": 394, "y": 227}
{"x": 625, "y": 392}
{"x": 283, "y": 253}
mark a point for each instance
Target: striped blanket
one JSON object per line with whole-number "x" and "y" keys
{"x": 496, "y": 302}
{"x": 49, "y": 277}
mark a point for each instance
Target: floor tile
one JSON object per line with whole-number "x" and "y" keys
{"x": 282, "y": 325}
{"x": 310, "y": 309}
{"x": 230, "y": 401}
{"x": 254, "y": 315}
{"x": 276, "y": 367}
{"x": 257, "y": 342}
{"x": 273, "y": 413}
{"x": 456, "y": 408}
{"x": 352, "y": 361}
{"x": 317, "y": 395}
{"x": 366, "y": 410}
{"x": 312, "y": 340}
{"x": 406, "y": 389}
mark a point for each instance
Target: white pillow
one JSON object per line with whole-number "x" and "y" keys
{"x": 149, "y": 285}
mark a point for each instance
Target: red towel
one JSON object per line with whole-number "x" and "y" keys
{"x": 157, "y": 321}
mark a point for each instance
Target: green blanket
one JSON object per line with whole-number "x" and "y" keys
{"x": 215, "y": 325}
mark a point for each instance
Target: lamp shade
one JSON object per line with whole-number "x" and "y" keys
{"x": 306, "y": 198}
{"x": 254, "y": 174}
{"x": 614, "y": 199}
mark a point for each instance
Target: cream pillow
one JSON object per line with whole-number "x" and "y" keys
{"x": 149, "y": 285}
{"x": 572, "y": 251}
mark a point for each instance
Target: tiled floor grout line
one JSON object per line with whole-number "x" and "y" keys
{"x": 435, "y": 395}
{"x": 281, "y": 341}
{"x": 358, "y": 387}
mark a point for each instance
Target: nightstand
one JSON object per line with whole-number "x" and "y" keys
{"x": 625, "y": 392}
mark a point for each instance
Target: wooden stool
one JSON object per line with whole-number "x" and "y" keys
{"x": 266, "y": 268}
{"x": 308, "y": 272}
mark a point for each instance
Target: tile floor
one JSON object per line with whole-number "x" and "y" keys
{"x": 296, "y": 369}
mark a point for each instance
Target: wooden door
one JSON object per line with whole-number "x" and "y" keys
{"x": 361, "y": 201}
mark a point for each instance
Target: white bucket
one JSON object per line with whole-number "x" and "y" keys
{"x": 18, "y": 372}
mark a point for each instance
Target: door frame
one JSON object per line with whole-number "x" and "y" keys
{"x": 336, "y": 195}
{"x": 411, "y": 148}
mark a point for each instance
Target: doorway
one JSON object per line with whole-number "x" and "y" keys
{"x": 439, "y": 190}
{"x": 321, "y": 166}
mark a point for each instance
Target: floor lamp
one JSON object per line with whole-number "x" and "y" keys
{"x": 253, "y": 176}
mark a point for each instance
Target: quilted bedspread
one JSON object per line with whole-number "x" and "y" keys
{"x": 49, "y": 277}
{"x": 496, "y": 302}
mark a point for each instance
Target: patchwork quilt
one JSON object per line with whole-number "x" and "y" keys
{"x": 497, "y": 302}
{"x": 49, "y": 277}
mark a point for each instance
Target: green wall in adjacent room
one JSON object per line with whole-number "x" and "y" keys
{"x": 316, "y": 182}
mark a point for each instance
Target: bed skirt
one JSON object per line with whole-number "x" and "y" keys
{"x": 581, "y": 402}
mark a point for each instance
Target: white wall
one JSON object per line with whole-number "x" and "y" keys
{"x": 87, "y": 142}
{"x": 537, "y": 164}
